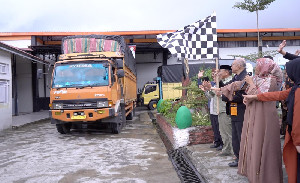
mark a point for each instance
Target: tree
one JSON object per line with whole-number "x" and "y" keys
{"x": 254, "y": 6}
{"x": 254, "y": 56}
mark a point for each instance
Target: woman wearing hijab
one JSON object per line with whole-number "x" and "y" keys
{"x": 291, "y": 148}
{"x": 260, "y": 150}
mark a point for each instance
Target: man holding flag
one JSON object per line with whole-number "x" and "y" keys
{"x": 195, "y": 42}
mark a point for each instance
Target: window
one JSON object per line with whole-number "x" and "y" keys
{"x": 87, "y": 74}
{"x": 3, "y": 92}
{"x": 150, "y": 88}
{"x": 3, "y": 68}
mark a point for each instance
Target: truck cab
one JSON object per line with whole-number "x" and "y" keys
{"x": 150, "y": 95}
{"x": 153, "y": 92}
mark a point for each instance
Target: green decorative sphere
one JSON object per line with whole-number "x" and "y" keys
{"x": 159, "y": 104}
{"x": 183, "y": 118}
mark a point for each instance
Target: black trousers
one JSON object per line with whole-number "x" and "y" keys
{"x": 284, "y": 122}
{"x": 215, "y": 126}
{"x": 237, "y": 127}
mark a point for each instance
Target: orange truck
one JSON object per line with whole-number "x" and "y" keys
{"x": 93, "y": 84}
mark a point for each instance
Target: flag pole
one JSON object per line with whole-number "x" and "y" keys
{"x": 185, "y": 80}
{"x": 217, "y": 83}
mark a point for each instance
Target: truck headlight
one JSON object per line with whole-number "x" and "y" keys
{"x": 57, "y": 106}
{"x": 102, "y": 104}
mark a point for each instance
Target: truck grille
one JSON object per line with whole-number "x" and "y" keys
{"x": 79, "y": 103}
{"x": 80, "y": 106}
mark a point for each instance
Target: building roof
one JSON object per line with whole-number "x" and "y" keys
{"x": 21, "y": 53}
{"x": 145, "y": 40}
{"x": 144, "y": 32}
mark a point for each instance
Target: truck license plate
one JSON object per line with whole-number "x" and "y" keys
{"x": 78, "y": 117}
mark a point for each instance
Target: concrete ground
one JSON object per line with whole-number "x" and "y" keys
{"x": 215, "y": 168}
{"x": 38, "y": 153}
{"x": 18, "y": 121}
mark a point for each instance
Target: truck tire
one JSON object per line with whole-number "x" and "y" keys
{"x": 116, "y": 127}
{"x": 60, "y": 128}
{"x": 130, "y": 116}
{"x": 152, "y": 104}
{"x": 64, "y": 128}
{"x": 123, "y": 120}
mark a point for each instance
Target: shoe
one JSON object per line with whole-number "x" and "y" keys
{"x": 219, "y": 148}
{"x": 233, "y": 164}
{"x": 214, "y": 146}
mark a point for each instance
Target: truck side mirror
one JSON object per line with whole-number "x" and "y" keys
{"x": 120, "y": 73}
{"x": 119, "y": 63}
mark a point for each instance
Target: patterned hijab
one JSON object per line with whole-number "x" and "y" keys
{"x": 265, "y": 70}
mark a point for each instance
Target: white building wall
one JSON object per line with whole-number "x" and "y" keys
{"x": 6, "y": 91}
{"x": 24, "y": 85}
{"x": 173, "y": 60}
{"x": 146, "y": 67}
{"x": 19, "y": 43}
{"x": 145, "y": 73}
{"x": 225, "y": 52}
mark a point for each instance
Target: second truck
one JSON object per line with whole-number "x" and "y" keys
{"x": 164, "y": 86}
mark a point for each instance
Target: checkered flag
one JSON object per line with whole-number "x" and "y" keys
{"x": 194, "y": 42}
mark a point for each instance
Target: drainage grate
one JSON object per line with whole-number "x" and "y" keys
{"x": 183, "y": 166}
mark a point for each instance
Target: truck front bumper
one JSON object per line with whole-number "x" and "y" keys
{"x": 82, "y": 114}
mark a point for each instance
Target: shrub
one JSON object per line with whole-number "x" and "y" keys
{"x": 195, "y": 99}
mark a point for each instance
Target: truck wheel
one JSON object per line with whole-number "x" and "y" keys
{"x": 130, "y": 116}
{"x": 60, "y": 128}
{"x": 64, "y": 128}
{"x": 152, "y": 104}
{"x": 116, "y": 127}
{"x": 123, "y": 119}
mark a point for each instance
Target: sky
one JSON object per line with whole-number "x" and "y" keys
{"x": 137, "y": 15}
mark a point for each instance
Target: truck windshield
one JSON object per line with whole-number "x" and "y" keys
{"x": 80, "y": 75}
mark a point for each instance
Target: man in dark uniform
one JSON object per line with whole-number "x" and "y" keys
{"x": 237, "y": 108}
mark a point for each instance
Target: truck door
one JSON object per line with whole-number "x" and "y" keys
{"x": 151, "y": 93}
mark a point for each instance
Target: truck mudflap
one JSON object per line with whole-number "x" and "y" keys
{"x": 60, "y": 116}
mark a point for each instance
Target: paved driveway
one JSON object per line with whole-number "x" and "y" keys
{"x": 38, "y": 153}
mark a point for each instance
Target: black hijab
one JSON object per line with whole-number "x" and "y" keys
{"x": 293, "y": 71}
